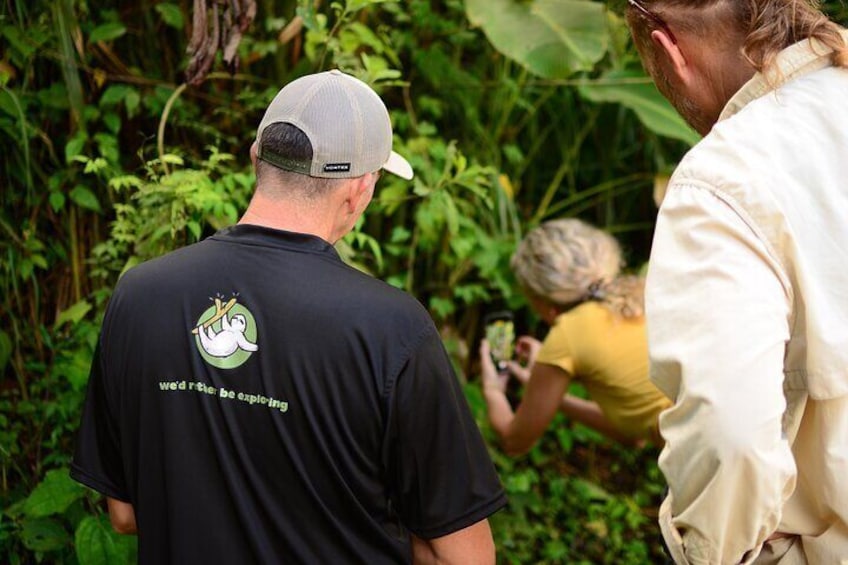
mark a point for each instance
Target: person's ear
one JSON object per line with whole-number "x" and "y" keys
{"x": 665, "y": 47}
{"x": 357, "y": 189}
{"x": 254, "y": 152}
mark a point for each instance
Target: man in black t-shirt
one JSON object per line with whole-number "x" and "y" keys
{"x": 253, "y": 399}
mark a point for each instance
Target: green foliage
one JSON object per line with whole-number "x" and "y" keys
{"x": 575, "y": 498}
{"x": 453, "y": 243}
{"x": 52, "y": 496}
{"x": 629, "y": 89}
{"x": 162, "y": 211}
{"x": 553, "y": 39}
{"x": 60, "y": 522}
{"x": 97, "y": 543}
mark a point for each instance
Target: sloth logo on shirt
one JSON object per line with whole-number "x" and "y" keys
{"x": 225, "y": 334}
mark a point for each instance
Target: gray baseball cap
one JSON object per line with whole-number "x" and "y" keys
{"x": 346, "y": 123}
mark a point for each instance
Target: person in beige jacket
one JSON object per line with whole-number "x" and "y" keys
{"x": 747, "y": 289}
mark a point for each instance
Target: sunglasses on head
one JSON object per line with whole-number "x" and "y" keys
{"x": 654, "y": 18}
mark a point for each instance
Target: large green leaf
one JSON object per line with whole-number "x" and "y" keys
{"x": 551, "y": 38}
{"x": 44, "y": 534}
{"x": 171, "y": 14}
{"x": 636, "y": 91}
{"x": 98, "y": 544}
{"x": 73, "y": 314}
{"x": 53, "y": 495}
{"x": 85, "y": 198}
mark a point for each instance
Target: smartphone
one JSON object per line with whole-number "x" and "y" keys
{"x": 500, "y": 333}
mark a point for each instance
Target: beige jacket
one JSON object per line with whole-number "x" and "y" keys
{"x": 747, "y": 305}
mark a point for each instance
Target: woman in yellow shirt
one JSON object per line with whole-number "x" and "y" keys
{"x": 571, "y": 274}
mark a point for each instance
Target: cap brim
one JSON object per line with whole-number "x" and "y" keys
{"x": 399, "y": 166}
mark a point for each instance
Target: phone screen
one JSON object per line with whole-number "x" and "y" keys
{"x": 500, "y": 333}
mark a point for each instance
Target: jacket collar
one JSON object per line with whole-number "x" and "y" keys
{"x": 796, "y": 60}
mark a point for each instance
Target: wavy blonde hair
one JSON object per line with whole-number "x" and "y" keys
{"x": 766, "y": 27}
{"x": 568, "y": 262}
{"x": 774, "y": 25}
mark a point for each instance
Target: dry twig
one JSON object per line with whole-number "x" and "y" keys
{"x": 222, "y": 31}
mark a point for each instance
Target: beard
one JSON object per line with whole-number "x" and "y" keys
{"x": 692, "y": 113}
{"x": 698, "y": 118}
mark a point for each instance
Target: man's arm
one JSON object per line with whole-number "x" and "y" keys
{"x": 470, "y": 546}
{"x": 444, "y": 481}
{"x": 122, "y": 516}
{"x": 718, "y": 307}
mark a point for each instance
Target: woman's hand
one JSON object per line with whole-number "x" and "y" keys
{"x": 492, "y": 379}
{"x": 526, "y": 350}
{"x": 519, "y": 430}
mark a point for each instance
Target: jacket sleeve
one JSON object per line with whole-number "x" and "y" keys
{"x": 718, "y": 310}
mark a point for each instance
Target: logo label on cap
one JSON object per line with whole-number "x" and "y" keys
{"x": 337, "y": 168}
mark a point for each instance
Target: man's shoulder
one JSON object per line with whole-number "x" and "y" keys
{"x": 162, "y": 269}
{"x": 326, "y": 283}
{"x": 370, "y": 296}
{"x": 740, "y": 152}
{"x": 771, "y": 144}
{"x": 774, "y": 131}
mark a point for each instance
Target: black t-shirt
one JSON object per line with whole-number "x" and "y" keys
{"x": 258, "y": 401}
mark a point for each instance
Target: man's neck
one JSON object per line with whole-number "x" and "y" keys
{"x": 299, "y": 217}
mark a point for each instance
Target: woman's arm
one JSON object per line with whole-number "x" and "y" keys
{"x": 519, "y": 430}
{"x": 590, "y": 414}
{"x": 519, "y": 438}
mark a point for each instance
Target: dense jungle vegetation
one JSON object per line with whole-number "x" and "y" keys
{"x": 124, "y": 133}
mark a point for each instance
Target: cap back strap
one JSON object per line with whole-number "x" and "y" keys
{"x": 293, "y": 165}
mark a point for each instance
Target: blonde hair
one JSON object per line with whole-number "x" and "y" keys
{"x": 568, "y": 262}
{"x": 774, "y": 25}
{"x": 765, "y": 26}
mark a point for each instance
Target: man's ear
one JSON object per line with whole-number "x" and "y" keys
{"x": 665, "y": 47}
{"x": 357, "y": 189}
{"x": 254, "y": 151}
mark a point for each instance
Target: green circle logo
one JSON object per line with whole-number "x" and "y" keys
{"x": 225, "y": 334}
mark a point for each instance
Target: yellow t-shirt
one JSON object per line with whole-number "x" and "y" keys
{"x": 609, "y": 356}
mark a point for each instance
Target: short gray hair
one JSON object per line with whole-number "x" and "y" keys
{"x": 289, "y": 142}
